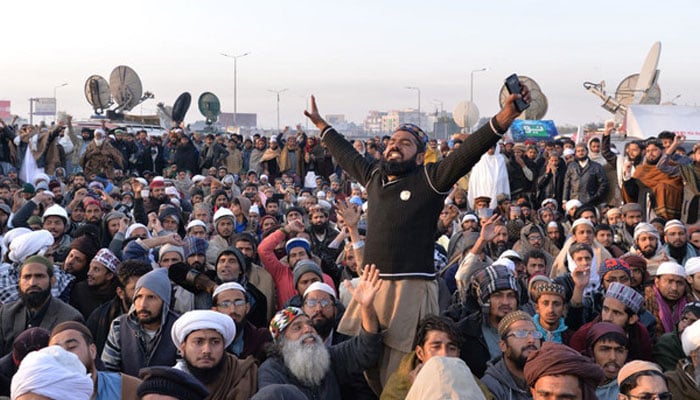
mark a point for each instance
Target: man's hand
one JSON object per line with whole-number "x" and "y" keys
{"x": 609, "y": 127}
{"x": 314, "y": 115}
{"x": 137, "y": 187}
{"x": 349, "y": 212}
{"x": 488, "y": 229}
{"x": 367, "y": 287}
{"x": 174, "y": 239}
{"x": 509, "y": 112}
{"x": 43, "y": 198}
{"x": 581, "y": 276}
{"x": 296, "y": 226}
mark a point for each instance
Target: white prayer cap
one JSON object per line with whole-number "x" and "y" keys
{"x": 54, "y": 373}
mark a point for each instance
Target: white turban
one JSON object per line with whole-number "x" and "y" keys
{"x": 11, "y": 235}
{"x": 203, "y": 319}
{"x": 133, "y": 227}
{"x": 29, "y": 244}
{"x": 691, "y": 338}
{"x": 54, "y": 373}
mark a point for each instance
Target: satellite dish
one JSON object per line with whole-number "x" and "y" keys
{"x": 538, "y": 101}
{"x": 165, "y": 114}
{"x": 466, "y": 115}
{"x": 97, "y": 93}
{"x": 182, "y": 104}
{"x": 209, "y": 106}
{"x": 639, "y": 88}
{"x": 125, "y": 87}
{"x": 649, "y": 74}
{"x": 625, "y": 95}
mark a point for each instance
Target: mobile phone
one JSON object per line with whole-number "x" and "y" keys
{"x": 513, "y": 86}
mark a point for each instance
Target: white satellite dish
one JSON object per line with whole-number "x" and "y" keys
{"x": 97, "y": 93}
{"x": 538, "y": 101}
{"x": 649, "y": 74}
{"x": 126, "y": 88}
{"x": 639, "y": 88}
{"x": 466, "y": 115}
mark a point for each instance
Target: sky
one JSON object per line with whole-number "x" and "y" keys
{"x": 354, "y": 56}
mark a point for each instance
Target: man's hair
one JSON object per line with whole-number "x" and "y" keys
{"x": 130, "y": 268}
{"x": 576, "y": 247}
{"x": 631, "y": 381}
{"x": 612, "y": 337}
{"x": 666, "y": 135}
{"x": 603, "y": 227}
{"x": 245, "y": 237}
{"x": 539, "y": 254}
{"x": 436, "y": 323}
{"x": 654, "y": 142}
{"x": 594, "y": 140}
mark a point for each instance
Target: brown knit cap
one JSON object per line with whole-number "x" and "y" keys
{"x": 72, "y": 325}
{"x": 511, "y": 317}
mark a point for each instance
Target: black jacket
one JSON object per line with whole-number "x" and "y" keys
{"x": 588, "y": 184}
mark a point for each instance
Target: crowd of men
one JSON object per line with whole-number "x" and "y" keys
{"x": 309, "y": 266}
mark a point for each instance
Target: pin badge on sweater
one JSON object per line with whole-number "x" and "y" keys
{"x": 405, "y": 195}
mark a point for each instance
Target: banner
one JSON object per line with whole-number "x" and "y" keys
{"x": 45, "y": 106}
{"x": 5, "y": 110}
{"x": 536, "y": 130}
{"x": 644, "y": 121}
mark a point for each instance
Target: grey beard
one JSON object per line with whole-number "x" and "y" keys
{"x": 308, "y": 363}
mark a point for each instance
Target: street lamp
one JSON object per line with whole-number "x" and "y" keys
{"x": 235, "y": 82}
{"x": 471, "y": 82}
{"x": 55, "y": 111}
{"x": 439, "y": 118}
{"x": 277, "y": 92}
{"x": 417, "y": 89}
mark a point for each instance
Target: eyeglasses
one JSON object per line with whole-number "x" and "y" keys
{"x": 652, "y": 396}
{"x": 232, "y": 303}
{"x": 522, "y": 334}
{"x": 534, "y": 238}
{"x": 312, "y": 303}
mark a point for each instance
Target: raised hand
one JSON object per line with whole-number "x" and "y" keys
{"x": 315, "y": 116}
{"x": 509, "y": 112}
{"x": 349, "y": 212}
{"x": 367, "y": 287}
{"x": 488, "y": 229}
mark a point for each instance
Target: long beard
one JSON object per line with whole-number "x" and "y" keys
{"x": 677, "y": 252}
{"x": 207, "y": 375}
{"x": 307, "y": 362}
{"x": 394, "y": 168}
{"x": 324, "y": 327}
{"x": 35, "y": 299}
{"x": 653, "y": 162}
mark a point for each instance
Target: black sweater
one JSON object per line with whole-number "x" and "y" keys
{"x": 402, "y": 214}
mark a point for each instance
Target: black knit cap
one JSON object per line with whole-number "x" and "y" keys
{"x": 170, "y": 382}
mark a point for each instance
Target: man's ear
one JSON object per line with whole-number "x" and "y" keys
{"x": 93, "y": 351}
{"x": 420, "y": 354}
{"x": 420, "y": 157}
{"x": 633, "y": 319}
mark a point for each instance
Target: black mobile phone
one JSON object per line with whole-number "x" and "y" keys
{"x": 513, "y": 86}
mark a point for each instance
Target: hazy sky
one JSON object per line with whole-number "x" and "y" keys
{"x": 354, "y": 56}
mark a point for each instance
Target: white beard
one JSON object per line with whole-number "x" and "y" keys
{"x": 307, "y": 362}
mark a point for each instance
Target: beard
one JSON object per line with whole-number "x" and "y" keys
{"x": 321, "y": 228}
{"x": 653, "y": 162}
{"x": 35, "y": 300}
{"x": 207, "y": 375}
{"x": 649, "y": 253}
{"x": 394, "y": 168}
{"x": 198, "y": 266}
{"x": 307, "y": 362}
{"x": 581, "y": 159}
{"x": 697, "y": 378}
{"x": 520, "y": 360}
{"x": 678, "y": 253}
{"x": 150, "y": 318}
{"x": 324, "y": 326}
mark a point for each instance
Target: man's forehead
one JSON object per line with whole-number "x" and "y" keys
{"x": 318, "y": 295}
{"x": 232, "y": 294}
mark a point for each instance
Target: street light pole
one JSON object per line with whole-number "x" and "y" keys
{"x": 471, "y": 83}
{"x": 277, "y": 92}
{"x": 439, "y": 119}
{"x": 417, "y": 89}
{"x": 235, "y": 82}
{"x": 55, "y": 111}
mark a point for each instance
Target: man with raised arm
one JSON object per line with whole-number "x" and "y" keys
{"x": 405, "y": 198}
